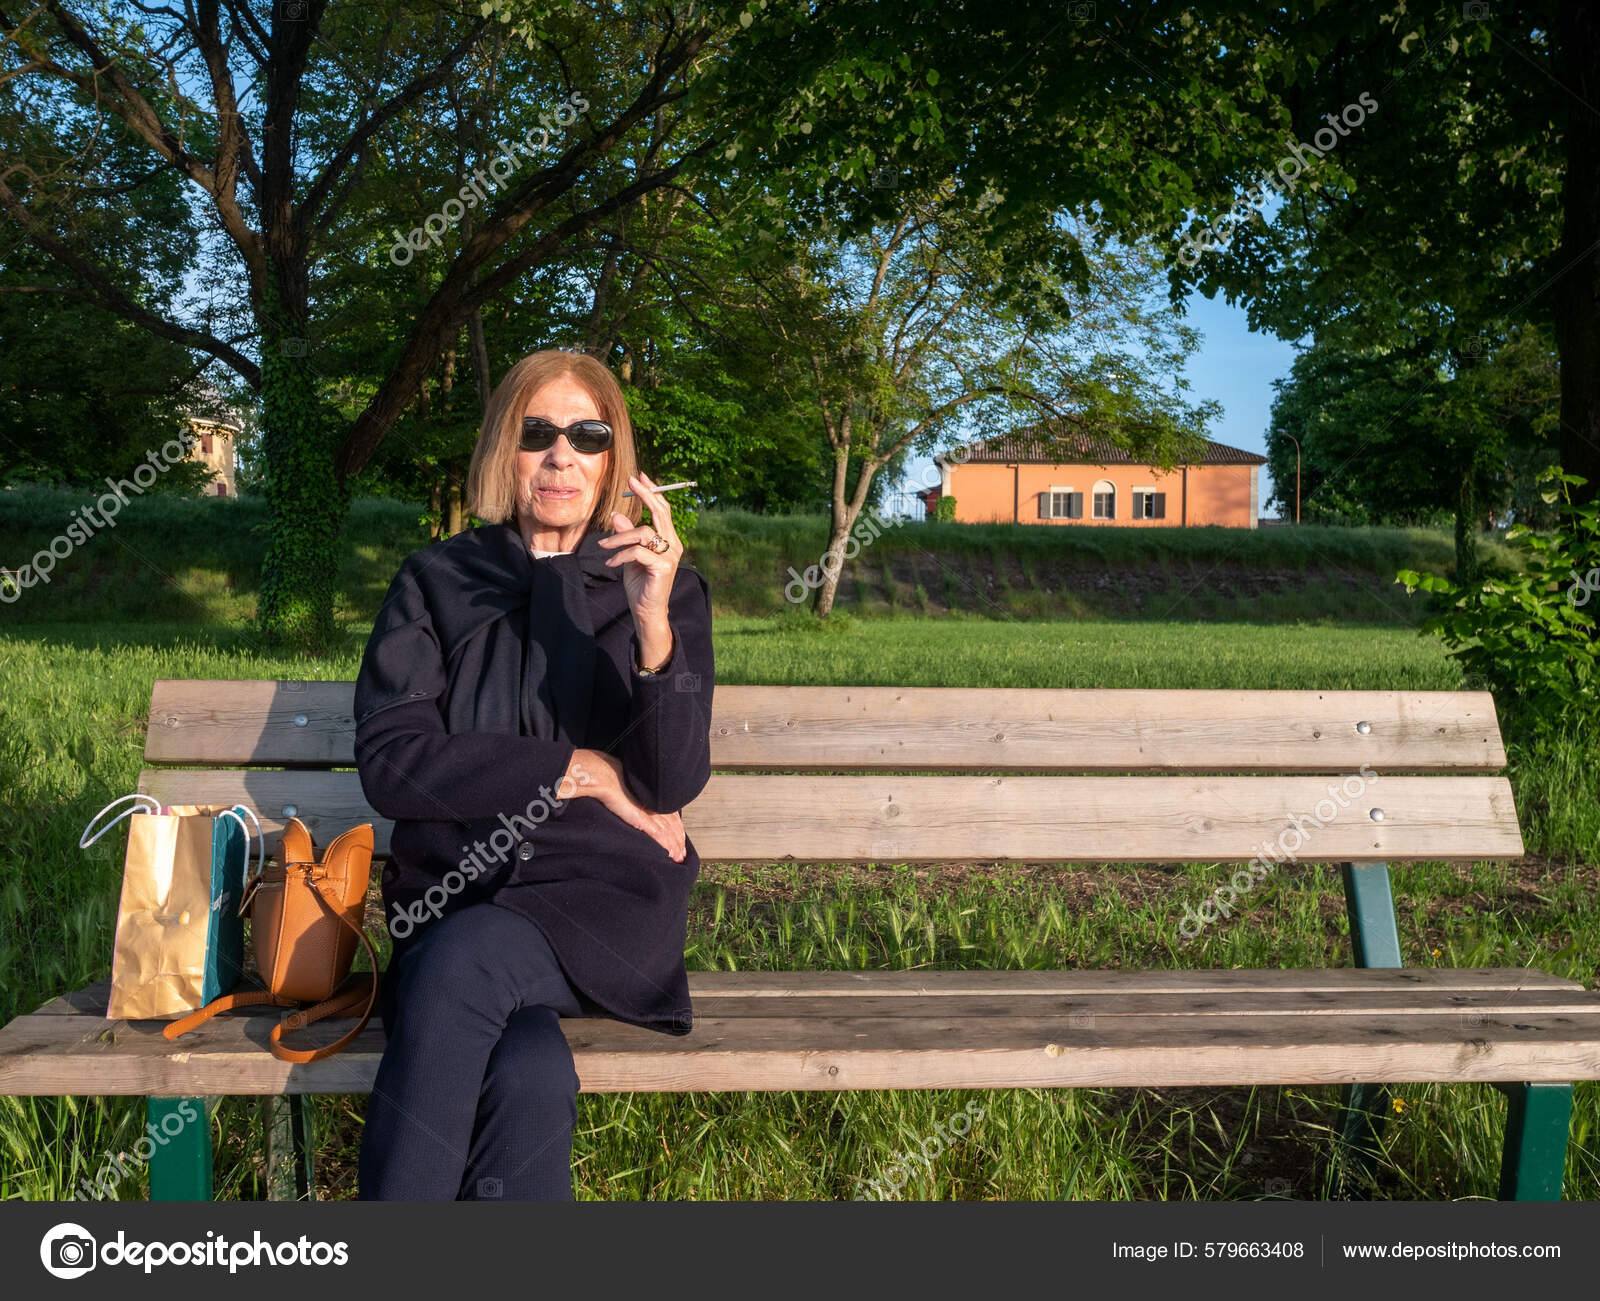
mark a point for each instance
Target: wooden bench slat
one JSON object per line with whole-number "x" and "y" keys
{"x": 749, "y": 817}
{"x": 224, "y": 722}
{"x": 936, "y": 1052}
{"x": 92, "y": 1000}
{"x": 1104, "y": 730}
{"x": 1243, "y": 1003}
{"x": 785, "y": 984}
{"x": 918, "y": 1048}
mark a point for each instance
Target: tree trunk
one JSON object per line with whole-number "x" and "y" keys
{"x": 1577, "y": 290}
{"x": 843, "y": 517}
{"x": 436, "y": 506}
{"x": 452, "y": 502}
{"x": 1467, "y": 568}
{"x": 480, "y": 358}
{"x": 306, "y": 503}
{"x": 594, "y": 342}
{"x": 830, "y": 576}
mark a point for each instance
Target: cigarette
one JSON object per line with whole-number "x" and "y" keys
{"x": 667, "y": 487}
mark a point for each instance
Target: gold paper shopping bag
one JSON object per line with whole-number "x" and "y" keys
{"x": 179, "y": 941}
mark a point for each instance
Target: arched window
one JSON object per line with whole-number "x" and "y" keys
{"x": 1105, "y": 500}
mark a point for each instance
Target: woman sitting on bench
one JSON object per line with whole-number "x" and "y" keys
{"x": 533, "y": 710}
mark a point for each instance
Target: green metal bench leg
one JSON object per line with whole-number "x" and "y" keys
{"x": 289, "y": 1146}
{"x": 1373, "y": 935}
{"x": 1535, "y": 1158}
{"x": 180, "y": 1164}
{"x": 1375, "y": 942}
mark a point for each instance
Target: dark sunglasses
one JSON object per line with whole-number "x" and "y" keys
{"x": 588, "y": 436}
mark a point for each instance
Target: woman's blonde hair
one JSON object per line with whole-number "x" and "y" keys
{"x": 492, "y": 476}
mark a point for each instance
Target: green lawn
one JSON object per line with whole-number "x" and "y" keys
{"x": 75, "y": 702}
{"x": 960, "y": 652}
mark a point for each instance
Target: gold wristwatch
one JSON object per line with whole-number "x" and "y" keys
{"x": 650, "y": 673}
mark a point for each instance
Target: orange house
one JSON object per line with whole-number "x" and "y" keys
{"x": 1021, "y": 479}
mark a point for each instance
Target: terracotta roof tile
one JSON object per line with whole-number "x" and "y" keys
{"x": 1031, "y": 445}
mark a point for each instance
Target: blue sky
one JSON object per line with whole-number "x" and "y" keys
{"x": 1232, "y": 365}
{"x": 1237, "y": 368}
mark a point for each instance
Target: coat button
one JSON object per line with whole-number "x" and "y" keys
{"x": 525, "y": 851}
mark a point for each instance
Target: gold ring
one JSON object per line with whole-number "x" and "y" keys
{"x": 658, "y": 544}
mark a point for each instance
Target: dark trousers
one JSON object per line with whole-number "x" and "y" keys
{"x": 476, "y": 1095}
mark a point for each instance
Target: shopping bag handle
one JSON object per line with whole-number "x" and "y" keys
{"x": 85, "y": 840}
{"x": 261, "y": 840}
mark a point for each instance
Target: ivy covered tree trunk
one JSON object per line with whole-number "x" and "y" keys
{"x": 306, "y": 504}
{"x": 1467, "y": 568}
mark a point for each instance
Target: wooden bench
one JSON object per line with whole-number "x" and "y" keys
{"x": 886, "y": 774}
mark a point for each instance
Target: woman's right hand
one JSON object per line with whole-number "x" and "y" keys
{"x": 604, "y": 773}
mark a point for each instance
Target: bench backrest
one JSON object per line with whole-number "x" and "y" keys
{"x": 928, "y": 773}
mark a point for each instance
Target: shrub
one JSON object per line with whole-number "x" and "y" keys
{"x": 1527, "y": 637}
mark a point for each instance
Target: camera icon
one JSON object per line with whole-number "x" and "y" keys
{"x": 68, "y": 1251}
{"x": 686, "y": 682}
{"x": 1473, "y": 1020}
{"x": 72, "y": 1253}
{"x": 1080, "y": 1020}
{"x": 1276, "y": 1188}
{"x": 1081, "y": 11}
{"x": 293, "y": 11}
{"x": 490, "y": 1186}
{"x": 1475, "y": 11}
{"x": 294, "y": 347}
{"x": 884, "y": 178}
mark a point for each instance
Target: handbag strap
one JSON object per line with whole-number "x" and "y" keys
{"x": 226, "y": 1003}
{"x": 358, "y": 985}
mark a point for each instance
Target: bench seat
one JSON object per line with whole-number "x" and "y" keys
{"x": 829, "y": 1030}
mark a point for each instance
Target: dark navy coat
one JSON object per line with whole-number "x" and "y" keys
{"x": 486, "y": 668}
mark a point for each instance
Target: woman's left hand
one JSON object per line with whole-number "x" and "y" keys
{"x": 647, "y": 577}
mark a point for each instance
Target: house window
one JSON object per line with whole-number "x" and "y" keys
{"x": 205, "y": 444}
{"x": 222, "y": 490}
{"x": 1105, "y": 501}
{"x": 1149, "y": 504}
{"x": 1060, "y": 503}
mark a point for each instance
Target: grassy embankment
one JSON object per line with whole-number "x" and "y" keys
{"x": 200, "y": 561}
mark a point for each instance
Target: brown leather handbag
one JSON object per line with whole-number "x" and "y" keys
{"x": 305, "y": 919}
